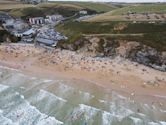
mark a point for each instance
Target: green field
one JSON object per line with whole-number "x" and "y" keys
{"x": 12, "y": 4}
{"x": 99, "y": 7}
{"x": 118, "y": 14}
{"x": 154, "y": 8}
{"x": 46, "y": 9}
{"x": 64, "y": 8}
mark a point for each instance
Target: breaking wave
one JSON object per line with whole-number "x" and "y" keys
{"x": 27, "y": 100}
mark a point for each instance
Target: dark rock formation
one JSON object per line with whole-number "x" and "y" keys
{"x": 135, "y": 51}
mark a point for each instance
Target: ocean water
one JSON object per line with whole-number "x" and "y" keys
{"x": 27, "y": 100}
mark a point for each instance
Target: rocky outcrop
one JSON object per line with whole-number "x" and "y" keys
{"x": 127, "y": 49}
{"x": 150, "y": 57}
{"x": 95, "y": 46}
{"x": 143, "y": 54}
{"x": 135, "y": 51}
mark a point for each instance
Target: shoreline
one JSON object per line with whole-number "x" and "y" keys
{"x": 130, "y": 78}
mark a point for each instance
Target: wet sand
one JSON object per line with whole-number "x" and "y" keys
{"x": 116, "y": 74}
{"x": 35, "y": 100}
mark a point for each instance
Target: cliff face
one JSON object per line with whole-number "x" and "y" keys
{"x": 135, "y": 51}
{"x": 143, "y": 54}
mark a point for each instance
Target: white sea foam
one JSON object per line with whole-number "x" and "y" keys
{"x": 24, "y": 113}
{"x": 5, "y": 67}
{"x": 13, "y": 79}
{"x": 22, "y": 75}
{"x": 22, "y": 87}
{"x": 49, "y": 121}
{"x": 142, "y": 115}
{"x": 120, "y": 110}
{"x": 86, "y": 96}
{"x": 33, "y": 78}
{"x": 17, "y": 93}
{"x": 22, "y": 96}
{"x": 84, "y": 107}
{"x": 6, "y": 121}
{"x": 27, "y": 114}
{"x": 153, "y": 123}
{"x": 163, "y": 122}
{"x": 1, "y": 111}
{"x": 88, "y": 112}
{"x": 64, "y": 88}
{"x": 47, "y": 80}
{"x": 107, "y": 118}
{"x": 18, "y": 112}
{"x": 117, "y": 96}
{"x": 136, "y": 121}
{"x": 3, "y": 87}
{"x": 164, "y": 111}
{"x": 44, "y": 94}
{"x": 103, "y": 101}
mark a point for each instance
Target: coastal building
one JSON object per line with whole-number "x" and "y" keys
{"x": 21, "y": 33}
{"x": 20, "y": 24}
{"x": 36, "y": 20}
{"x": 16, "y": 24}
{"x": 18, "y": 28}
{"x": 45, "y": 41}
{"x": 48, "y": 37}
{"x": 83, "y": 12}
{"x": 27, "y": 39}
{"x": 17, "y": 34}
{"x": 54, "y": 18}
{"x": 27, "y": 36}
{"x": 29, "y": 32}
{"x": 4, "y": 16}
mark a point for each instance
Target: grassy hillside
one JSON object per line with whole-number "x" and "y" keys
{"x": 12, "y": 4}
{"x": 99, "y": 7}
{"x": 46, "y": 9}
{"x": 119, "y": 14}
{"x": 160, "y": 8}
{"x": 49, "y": 5}
{"x": 65, "y": 8}
{"x": 153, "y": 35}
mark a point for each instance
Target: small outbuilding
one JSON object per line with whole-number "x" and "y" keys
{"x": 47, "y": 42}
{"x": 83, "y": 12}
{"x": 36, "y": 20}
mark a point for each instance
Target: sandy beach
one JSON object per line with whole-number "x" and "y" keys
{"x": 115, "y": 74}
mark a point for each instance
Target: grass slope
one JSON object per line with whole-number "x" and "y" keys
{"x": 65, "y": 8}
{"x": 141, "y": 8}
{"x": 153, "y": 35}
{"x": 12, "y": 4}
{"x": 49, "y": 5}
{"x": 98, "y": 7}
{"x": 46, "y": 9}
{"x": 117, "y": 14}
